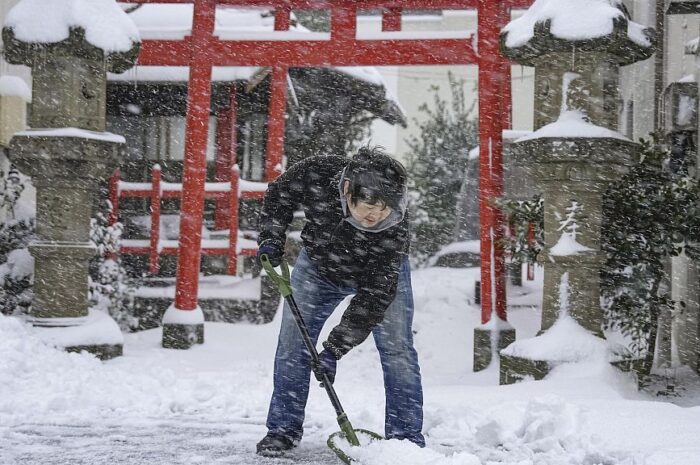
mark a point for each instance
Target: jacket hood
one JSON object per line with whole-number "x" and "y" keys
{"x": 394, "y": 218}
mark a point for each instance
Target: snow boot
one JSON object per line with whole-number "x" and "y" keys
{"x": 274, "y": 445}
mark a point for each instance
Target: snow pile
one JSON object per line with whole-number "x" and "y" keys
{"x": 106, "y": 25}
{"x": 14, "y": 86}
{"x": 406, "y": 453}
{"x": 19, "y": 265}
{"x": 32, "y": 368}
{"x": 96, "y": 329}
{"x": 571, "y": 20}
{"x": 566, "y": 341}
{"x": 572, "y": 123}
{"x": 39, "y": 381}
{"x": 568, "y": 245}
{"x": 540, "y": 429}
{"x": 176, "y": 316}
{"x": 547, "y": 430}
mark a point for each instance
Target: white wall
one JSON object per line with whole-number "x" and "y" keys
{"x": 411, "y": 84}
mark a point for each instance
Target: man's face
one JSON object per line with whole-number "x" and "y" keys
{"x": 368, "y": 215}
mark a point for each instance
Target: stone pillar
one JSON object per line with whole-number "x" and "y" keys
{"x": 576, "y": 170}
{"x": 67, "y": 159}
{"x": 574, "y": 154}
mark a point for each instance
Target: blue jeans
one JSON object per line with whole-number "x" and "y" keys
{"x": 316, "y": 298}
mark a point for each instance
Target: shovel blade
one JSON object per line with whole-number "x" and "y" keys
{"x": 341, "y": 443}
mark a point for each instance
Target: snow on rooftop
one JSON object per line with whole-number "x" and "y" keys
{"x": 363, "y": 73}
{"x": 106, "y": 25}
{"x": 571, "y": 123}
{"x": 13, "y": 86}
{"x": 509, "y": 135}
{"x": 174, "y": 22}
{"x": 571, "y": 20}
{"x": 512, "y": 134}
{"x": 73, "y": 132}
{"x": 182, "y": 74}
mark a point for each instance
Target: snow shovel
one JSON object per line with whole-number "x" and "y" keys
{"x": 347, "y": 432}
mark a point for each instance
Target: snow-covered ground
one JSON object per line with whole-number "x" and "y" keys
{"x": 207, "y": 405}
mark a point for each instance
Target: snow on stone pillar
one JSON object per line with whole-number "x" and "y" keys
{"x": 70, "y": 46}
{"x": 577, "y": 48}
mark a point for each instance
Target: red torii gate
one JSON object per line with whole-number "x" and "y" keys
{"x": 202, "y": 50}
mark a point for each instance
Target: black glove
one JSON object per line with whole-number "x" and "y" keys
{"x": 274, "y": 251}
{"x": 327, "y": 365}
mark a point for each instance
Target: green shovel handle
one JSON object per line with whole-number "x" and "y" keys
{"x": 283, "y": 281}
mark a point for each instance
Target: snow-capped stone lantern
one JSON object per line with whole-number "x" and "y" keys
{"x": 577, "y": 48}
{"x": 70, "y": 46}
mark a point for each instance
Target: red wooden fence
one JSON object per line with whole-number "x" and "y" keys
{"x": 158, "y": 190}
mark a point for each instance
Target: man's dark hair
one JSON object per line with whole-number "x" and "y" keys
{"x": 375, "y": 178}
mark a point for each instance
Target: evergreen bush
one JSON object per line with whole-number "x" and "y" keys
{"x": 110, "y": 288}
{"x": 436, "y": 164}
{"x": 16, "y": 268}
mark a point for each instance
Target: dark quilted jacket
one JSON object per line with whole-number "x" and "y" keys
{"x": 366, "y": 261}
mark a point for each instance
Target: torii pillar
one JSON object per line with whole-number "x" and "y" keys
{"x": 495, "y": 332}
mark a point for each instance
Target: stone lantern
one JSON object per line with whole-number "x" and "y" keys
{"x": 68, "y": 154}
{"x": 574, "y": 154}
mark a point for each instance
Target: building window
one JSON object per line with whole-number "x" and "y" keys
{"x": 157, "y": 137}
{"x": 628, "y": 119}
{"x": 254, "y": 132}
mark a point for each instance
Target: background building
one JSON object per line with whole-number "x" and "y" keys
{"x": 412, "y": 84}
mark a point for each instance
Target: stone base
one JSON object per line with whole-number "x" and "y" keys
{"x": 483, "y": 349}
{"x": 178, "y": 336}
{"x": 182, "y": 328}
{"x": 97, "y": 333}
{"x": 101, "y": 351}
{"x": 516, "y": 369}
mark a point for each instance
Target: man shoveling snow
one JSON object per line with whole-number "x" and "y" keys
{"x": 355, "y": 241}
